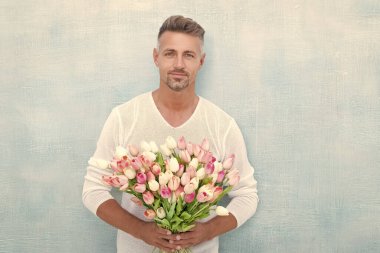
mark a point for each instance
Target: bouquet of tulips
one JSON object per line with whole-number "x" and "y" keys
{"x": 178, "y": 183}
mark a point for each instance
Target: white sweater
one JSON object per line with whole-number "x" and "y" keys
{"x": 138, "y": 120}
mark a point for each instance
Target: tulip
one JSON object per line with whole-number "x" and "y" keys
{"x": 214, "y": 177}
{"x": 99, "y": 163}
{"x": 189, "y": 188}
{"x": 165, "y": 192}
{"x": 210, "y": 168}
{"x": 120, "y": 152}
{"x": 150, "y": 176}
{"x": 174, "y": 183}
{"x": 207, "y": 157}
{"x": 184, "y": 155}
{"x": 149, "y": 214}
{"x": 171, "y": 142}
{"x": 227, "y": 164}
{"x": 194, "y": 163}
{"x": 181, "y": 143}
{"x": 172, "y": 199}
{"x": 148, "y": 197}
{"x": 153, "y": 147}
{"x": 173, "y": 165}
{"x": 220, "y": 177}
{"x": 133, "y": 150}
{"x": 218, "y": 167}
{"x": 163, "y": 178}
{"x": 179, "y": 191}
{"x": 156, "y": 169}
{"x": 185, "y": 179}
{"x": 221, "y": 211}
{"x": 195, "y": 182}
{"x": 136, "y": 163}
{"x": 141, "y": 178}
{"x": 150, "y": 156}
{"x": 145, "y": 146}
{"x": 191, "y": 171}
{"x": 165, "y": 150}
{"x": 205, "y": 144}
{"x": 201, "y": 173}
{"x": 189, "y": 148}
{"x": 196, "y": 149}
{"x": 153, "y": 185}
{"x": 130, "y": 173}
{"x": 160, "y": 212}
{"x": 205, "y": 193}
{"x": 218, "y": 190}
{"x": 189, "y": 197}
{"x": 137, "y": 201}
{"x": 139, "y": 188}
{"x": 180, "y": 170}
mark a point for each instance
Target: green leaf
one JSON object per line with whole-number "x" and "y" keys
{"x": 185, "y": 215}
{"x": 179, "y": 206}
{"x": 171, "y": 211}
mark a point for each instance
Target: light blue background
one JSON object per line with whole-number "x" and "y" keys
{"x": 302, "y": 79}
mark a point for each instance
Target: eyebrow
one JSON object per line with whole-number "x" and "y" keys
{"x": 172, "y": 50}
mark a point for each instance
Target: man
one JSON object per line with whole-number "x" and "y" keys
{"x": 172, "y": 110}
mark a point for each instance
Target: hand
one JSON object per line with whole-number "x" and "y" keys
{"x": 158, "y": 237}
{"x": 200, "y": 233}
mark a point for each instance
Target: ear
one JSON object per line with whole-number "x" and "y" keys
{"x": 155, "y": 56}
{"x": 202, "y": 59}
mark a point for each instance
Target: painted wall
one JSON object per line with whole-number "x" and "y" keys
{"x": 302, "y": 79}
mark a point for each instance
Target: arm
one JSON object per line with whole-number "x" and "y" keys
{"x": 97, "y": 198}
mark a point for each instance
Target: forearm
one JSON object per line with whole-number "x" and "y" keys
{"x": 221, "y": 224}
{"x": 111, "y": 212}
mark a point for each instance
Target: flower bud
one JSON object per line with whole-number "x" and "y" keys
{"x": 227, "y": 164}
{"x": 165, "y": 150}
{"x": 145, "y": 146}
{"x": 120, "y": 152}
{"x": 205, "y": 144}
{"x": 153, "y": 185}
{"x": 149, "y": 214}
{"x": 153, "y": 147}
{"x": 148, "y": 197}
{"x": 133, "y": 150}
{"x": 173, "y": 165}
{"x": 181, "y": 143}
{"x": 221, "y": 211}
{"x": 161, "y": 212}
{"x": 171, "y": 143}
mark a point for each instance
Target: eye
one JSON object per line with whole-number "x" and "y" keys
{"x": 169, "y": 53}
{"x": 189, "y": 55}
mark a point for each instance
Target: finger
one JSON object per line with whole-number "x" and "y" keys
{"x": 166, "y": 246}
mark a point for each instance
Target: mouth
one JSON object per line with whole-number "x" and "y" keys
{"x": 178, "y": 74}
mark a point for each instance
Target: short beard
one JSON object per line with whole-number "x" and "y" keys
{"x": 177, "y": 85}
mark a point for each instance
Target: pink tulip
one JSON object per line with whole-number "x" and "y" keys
{"x": 189, "y": 197}
{"x": 148, "y": 197}
{"x": 209, "y": 168}
{"x": 149, "y": 214}
{"x": 145, "y": 161}
{"x": 189, "y": 188}
{"x": 185, "y": 156}
{"x": 156, "y": 169}
{"x": 150, "y": 176}
{"x": 137, "y": 201}
{"x": 189, "y": 148}
{"x": 133, "y": 150}
{"x": 196, "y": 149}
{"x": 191, "y": 171}
{"x": 185, "y": 179}
{"x": 179, "y": 191}
{"x": 180, "y": 170}
{"x": 218, "y": 190}
{"x": 173, "y": 183}
{"x": 165, "y": 192}
{"x": 205, "y": 144}
{"x": 227, "y": 164}
{"x": 136, "y": 163}
{"x": 139, "y": 188}
{"x": 141, "y": 178}
{"x": 181, "y": 144}
{"x": 205, "y": 193}
{"x": 207, "y": 157}
{"x": 221, "y": 175}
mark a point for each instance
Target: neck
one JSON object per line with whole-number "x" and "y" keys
{"x": 174, "y": 100}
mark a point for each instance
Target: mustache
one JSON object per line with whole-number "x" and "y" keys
{"x": 178, "y": 72}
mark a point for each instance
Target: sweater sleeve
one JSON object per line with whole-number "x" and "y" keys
{"x": 94, "y": 191}
{"x": 244, "y": 198}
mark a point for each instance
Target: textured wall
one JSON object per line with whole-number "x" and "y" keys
{"x": 302, "y": 79}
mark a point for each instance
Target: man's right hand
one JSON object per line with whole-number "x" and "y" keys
{"x": 158, "y": 237}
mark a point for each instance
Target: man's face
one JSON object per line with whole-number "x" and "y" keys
{"x": 179, "y": 59}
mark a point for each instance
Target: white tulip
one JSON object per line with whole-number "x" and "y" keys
{"x": 194, "y": 163}
{"x": 171, "y": 142}
{"x": 130, "y": 173}
{"x": 165, "y": 150}
{"x": 163, "y": 178}
{"x": 195, "y": 182}
{"x": 120, "y": 152}
{"x": 153, "y": 147}
{"x": 99, "y": 163}
{"x": 201, "y": 173}
{"x": 149, "y": 155}
{"x": 173, "y": 165}
{"x": 153, "y": 185}
{"x": 145, "y": 146}
{"x": 189, "y": 188}
{"x": 221, "y": 211}
{"x": 161, "y": 212}
{"x": 218, "y": 167}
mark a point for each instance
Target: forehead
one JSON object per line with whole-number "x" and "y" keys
{"x": 179, "y": 42}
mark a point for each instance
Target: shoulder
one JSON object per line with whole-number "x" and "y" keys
{"x": 214, "y": 111}
{"x": 131, "y": 105}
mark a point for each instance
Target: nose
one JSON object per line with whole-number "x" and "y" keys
{"x": 179, "y": 63}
